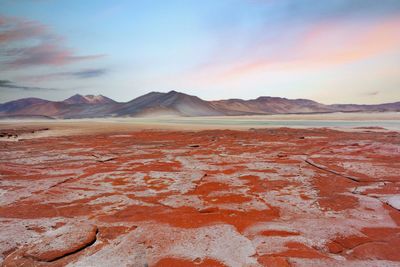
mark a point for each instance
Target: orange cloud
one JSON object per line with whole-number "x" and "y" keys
{"x": 323, "y": 45}
{"x": 356, "y": 43}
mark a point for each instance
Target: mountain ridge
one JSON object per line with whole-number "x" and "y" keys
{"x": 88, "y": 99}
{"x": 177, "y": 104}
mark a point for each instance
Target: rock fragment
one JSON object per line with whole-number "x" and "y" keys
{"x": 54, "y": 245}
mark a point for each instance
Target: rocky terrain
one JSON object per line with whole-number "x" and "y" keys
{"x": 173, "y": 104}
{"x": 14, "y": 134}
{"x": 263, "y": 197}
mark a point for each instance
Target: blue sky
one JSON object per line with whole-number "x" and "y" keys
{"x": 333, "y": 51}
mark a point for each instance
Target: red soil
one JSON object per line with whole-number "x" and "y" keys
{"x": 209, "y": 198}
{"x": 172, "y": 262}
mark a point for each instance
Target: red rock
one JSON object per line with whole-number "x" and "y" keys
{"x": 351, "y": 241}
{"x": 299, "y": 250}
{"x": 334, "y": 247}
{"x": 174, "y": 262}
{"x": 271, "y": 261}
{"x": 377, "y": 251}
{"x": 54, "y": 245}
{"x": 278, "y": 233}
{"x": 156, "y": 178}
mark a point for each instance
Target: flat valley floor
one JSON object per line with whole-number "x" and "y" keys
{"x": 260, "y": 197}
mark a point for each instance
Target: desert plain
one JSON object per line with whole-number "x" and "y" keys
{"x": 164, "y": 193}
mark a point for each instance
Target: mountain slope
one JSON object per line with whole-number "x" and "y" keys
{"x": 171, "y": 103}
{"x": 17, "y": 105}
{"x": 76, "y": 106}
{"x": 270, "y": 105}
{"x": 88, "y": 99}
{"x": 31, "y": 107}
{"x": 395, "y": 106}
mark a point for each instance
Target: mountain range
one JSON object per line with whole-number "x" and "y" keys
{"x": 173, "y": 103}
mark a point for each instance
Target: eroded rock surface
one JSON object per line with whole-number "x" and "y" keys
{"x": 276, "y": 197}
{"x": 54, "y": 245}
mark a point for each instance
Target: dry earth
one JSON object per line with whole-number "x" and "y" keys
{"x": 265, "y": 197}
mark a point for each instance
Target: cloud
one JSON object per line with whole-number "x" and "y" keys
{"x": 81, "y": 74}
{"x": 26, "y": 43}
{"x": 325, "y": 44}
{"x": 89, "y": 73}
{"x": 45, "y": 54}
{"x": 298, "y": 36}
{"x": 13, "y": 29}
{"x": 10, "y": 85}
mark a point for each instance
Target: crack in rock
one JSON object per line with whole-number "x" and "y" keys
{"x": 331, "y": 171}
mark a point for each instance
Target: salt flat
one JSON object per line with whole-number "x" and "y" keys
{"x": 341, "y": 121}
{"x": 131, "y": 192}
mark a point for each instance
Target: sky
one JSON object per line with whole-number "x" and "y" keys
{"x": 331, "y": 51}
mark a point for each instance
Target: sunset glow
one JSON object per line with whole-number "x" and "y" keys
{"x": 349, "y": 50}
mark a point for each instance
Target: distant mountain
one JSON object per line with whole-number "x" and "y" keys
{"x": 17, "y": 105}
{"x": 31, "y": 107}
{"x": 173, "y": 103}
{"x": 270, "y": 105}
{"x": 88, "y": 99}
{"x": 395, "y": 106}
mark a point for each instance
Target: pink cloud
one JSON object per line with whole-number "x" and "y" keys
{"x": 14, "y": 29}
{"x": 29, "y": 43}
{"x": 2, "y": 21}
{"x": 323, "y": 45}
{"x": 350, "y": 43}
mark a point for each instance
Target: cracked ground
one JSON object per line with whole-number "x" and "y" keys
{"x": 266, "y": 197}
